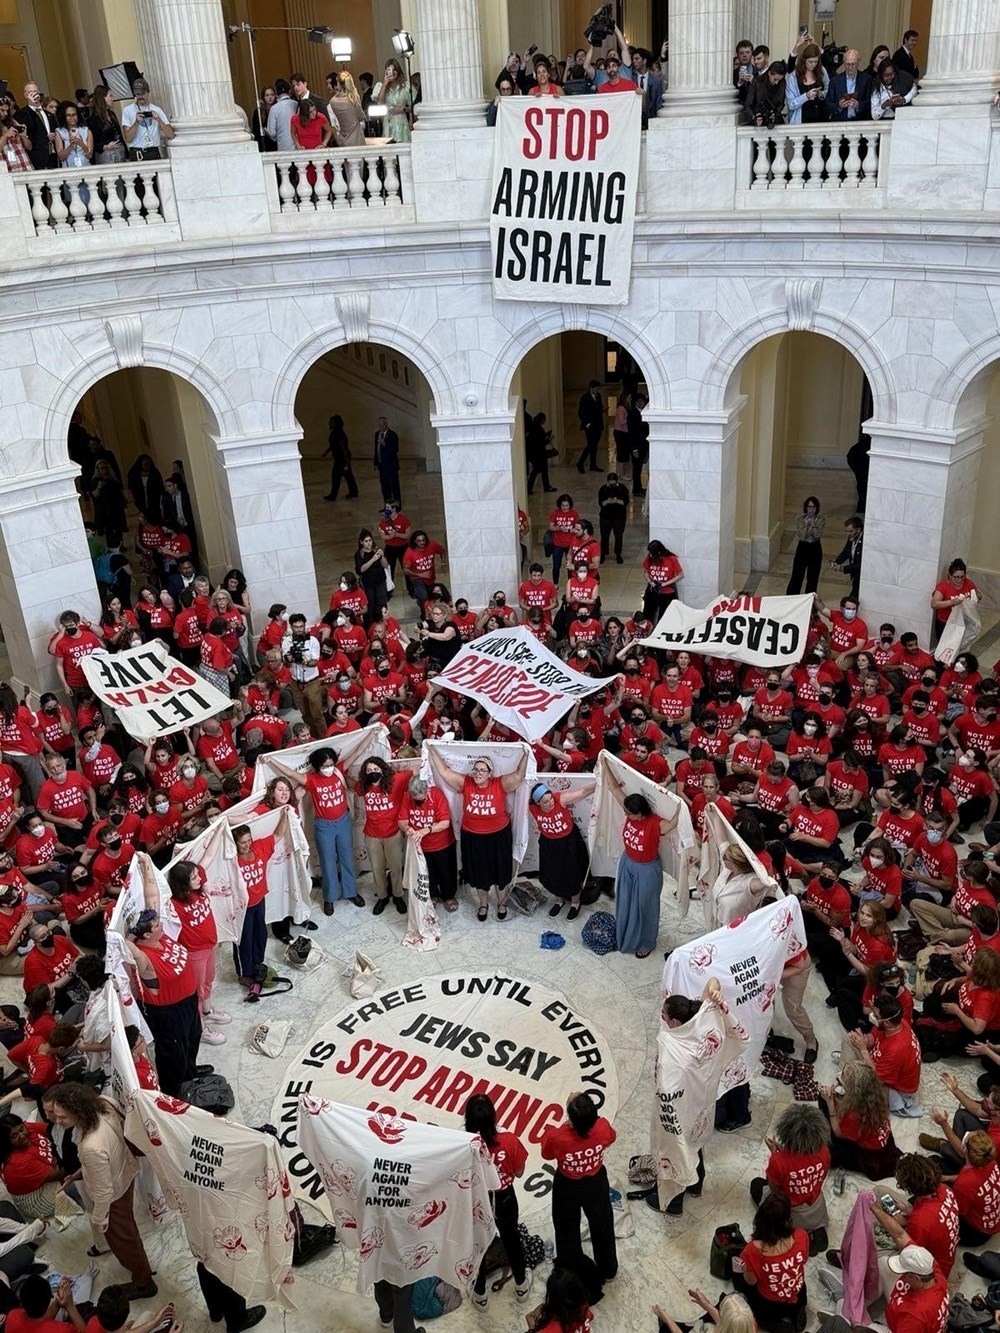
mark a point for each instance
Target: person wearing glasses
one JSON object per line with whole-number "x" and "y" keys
{"x": 506, "y": 87}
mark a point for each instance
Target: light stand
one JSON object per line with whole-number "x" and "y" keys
{"x": 402, "y": 44}
{"x": 341, "y": 49}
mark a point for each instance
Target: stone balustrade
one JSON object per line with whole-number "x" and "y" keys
{"x": 339, "y": 186}
{"x": 118, "y": 204}
{"x": 849, "y": 162}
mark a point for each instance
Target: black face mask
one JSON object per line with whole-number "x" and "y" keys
{"x": 631, "y": 671}
{"x": 827, "y": 880}
{"x": 724, "y": 696}
{"x": 72, "y": 629}
{"x": 638, "y": 721}
{"x": 709, "y": 727}
{"x": 117, "y": 818}
{"x": 773, "y": 685}
{"x": 114, "y": 844}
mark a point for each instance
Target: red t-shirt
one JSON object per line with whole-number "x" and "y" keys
{"x": 641, "y": 837}
{"x": 66, "y": 799}
{"x": 44, "y": 1070}
{"x": 26, "y": 1169}
{"x": 933, "y": 1223}
{"x": 654, "y": 766}
{"x": 253, "y": 868}
{"x": 382, "y": 808}
{"x": 771, "y": 795}
{"x": 577, "y": 1158}
{"x": 561, "y": 525}
{"x": 71, "y": 650}
{"x": 555, "y": 823}
{"x": 661, "y": 571}
{"x": 897, "y": 1058}
{"x": 173, "y": 971}
{"x": 541, "y": 594}
{"x": 822, "y": 824}
{"x": 833, "y": 904}
{"x": 219, "y": 749}
{"x": 780, "y": 1277}
{"x": 484, "y": 809}
{"x": 899, "y": 829}
{"x": 977, "y": 1193}
{"x": 842, "y": 782}
{"x": 76, "y": 905}
{"x": 432, "y": 810}
{"x": 198, "y": 930}
{"x": 509, "y": 1157}
{"x": 42, "y": 970}
{"x": 189, "y": 798}
{"x": 947, "y": 590}
{"x": 671, "y": 703}
{"x": 912, "y": 1310}
{"x": 155, "y": 826}
{"x": 799, "y": 1176}
{"x": 981, "y": 1003}
{"x": 419, "y": 562}
{"x": 582, "y": 1323}
{"x": 329, "y": 795}
{"x": 30, "y": 851}
{"x": 870, "y": 949}
{"x": 18, "y": 1322}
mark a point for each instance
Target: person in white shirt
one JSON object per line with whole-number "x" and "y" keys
{"x": 279, "y": 118}
{"x": 144, "y": 125}
{"x": 890, "y": 92}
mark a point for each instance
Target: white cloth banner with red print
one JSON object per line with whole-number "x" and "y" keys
{"x": 117, "y": 958}
{"x": 716, "y": 887}
{"x": 351, "y": 750}
{"x": 761, "y": 631}
{"x": 152, "y": 693}
{"x": 562, "y": 210}
{"x": 459, "y": 756}
{"x": 423, "y": 928}
{"x": 747, "y": 959}
{"x": 229, "y": 1185}
{"x": 607, "y": 818}
{"x": 519, "y": 682}
{"x": 120, "y": 1089}
{"x": 690, "y": 1062}
{"x": 412, "y": 1199}
{"x": 962, "y": 628}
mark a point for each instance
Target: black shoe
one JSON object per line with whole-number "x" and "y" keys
{"x": 757, "y": 1187}
{"x": 810, "y": 1056}
{"x": 783, "y": 1044}
{"x": 550, "y": 490}
{"x": 400, "y": 906}
{"x": 579, "y": 468}
{"x": 573, "y": 913}
{"x": 254, "y": 1314}
{"x": 652, "y": 1200}
{"x": 202, "y": 1070}
{"x": 974, "y": 1264}
{"x": 596, "y": 469}
{"x": 833, "y": 1259}
{"x": 694, "y": 1190}
{"x": 556, "y": 908}
{"x": 731, "y": 1125}
{"x": 329, "y": 498}
{"x": 818, "y": 1241}
{"x": 132, "y": 1292}
{"x": 307, "y": 925}
{"x": 380, "y": 905}
{"x": 619, "y": 560}
{"x": 675, "y": 1208}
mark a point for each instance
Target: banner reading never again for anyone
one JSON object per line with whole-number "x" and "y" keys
{"x": 761, "y": 631}
{"x": 152, "y": 693}
{"x": 565, "y": 175}
{"x": 518, "y": 681}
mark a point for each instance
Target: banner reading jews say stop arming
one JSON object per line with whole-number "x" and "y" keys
{"x": 152, "y": 693}
{"x": 520, "y": 683}
{"x": 761, "y": 631}
{"x": 565, "y": 175}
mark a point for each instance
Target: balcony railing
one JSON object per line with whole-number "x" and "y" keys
{"x": 839, "y": 159}
{"x": 342, "y": 186}
{"x": 127, "y": 200}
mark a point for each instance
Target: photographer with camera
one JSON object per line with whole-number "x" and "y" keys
{"x": 300, "y": 653}
{"x": 145, "y": 125}
{"x": 606, "y": 40}
{"x": 765, "y": 104}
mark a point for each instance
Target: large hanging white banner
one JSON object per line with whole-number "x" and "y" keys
{"x": 761, "y": 631}
{"x": 607, "y": 819}
{"x": 152, "y": 693}
{"x": 423, "y": 929}
{"x": 962, "y": 628}
{"x": 412, "y": 1200}
{"x": 565, "y": 177}
{"x": 518, "y": 681}
{"x": 505, "y": 756}
{"x": 120, "y": 1088}
{"x": 133, "y": 898}
{"x": 724, "y": 896}
{"x": 231, "y": 1188}
{"x": 690, "y": 1062}
{"x": 747, "y": 958}
{"x": 579, "y": 811}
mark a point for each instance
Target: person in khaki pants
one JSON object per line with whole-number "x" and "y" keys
{"x": 382, "y": 791}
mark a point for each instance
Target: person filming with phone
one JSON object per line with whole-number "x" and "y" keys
{"x": 145, "y": 125}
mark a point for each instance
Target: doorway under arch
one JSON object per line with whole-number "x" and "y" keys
{"x": 806, "y": 399}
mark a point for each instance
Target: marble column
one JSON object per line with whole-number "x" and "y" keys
{"x": 45, "y": 568}
{"x": 963, "y": 54}
{"x": 448, "y": 57}
{"x": 921, "y": 502}
{"x": 701, "y": 60}
{"x": 479, "y": 504}
{"x": 186, "y": 60}
{"x": 264, "y": 516}
{"x": 753, "y": 22}
{"x": 692, "y": 496}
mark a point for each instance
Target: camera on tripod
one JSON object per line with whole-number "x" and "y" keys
{"x": 832, "y": 57}
{"x": 600, "y": 27}
{"x": 297, "y": 651}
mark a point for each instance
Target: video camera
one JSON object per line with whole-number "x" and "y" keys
{"x": 832, "y": 57}
{"x": 600, "y": 27}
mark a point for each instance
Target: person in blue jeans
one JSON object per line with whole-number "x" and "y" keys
{"x": 332, "y": 824}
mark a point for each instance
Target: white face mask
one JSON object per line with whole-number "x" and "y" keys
{"x": 343, "y": 586}
{"x": 328, "y": 770}
{"x": 934, "y": 836}
{"x": 341, "y": 622}
{"x": 189, "y": 771}
{"x": 966, "y": 762}
{"x": 849, "y": 613}
{"x": 161, "y": 807}
{"x": 812, "y": 671}
{"x": 960, "y": 668}
{"x": 876, "y": 861}
{"x": 38, "y": 832}
{"x": 809, "y": 729}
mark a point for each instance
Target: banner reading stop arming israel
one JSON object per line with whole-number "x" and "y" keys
{"x": 760, "y": 631}
{"x": 565, "y": 176}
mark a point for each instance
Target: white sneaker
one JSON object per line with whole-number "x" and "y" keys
{"x": 212, "y": 1038}
{"x": 522, "y": 1291}
{"x": 216, "y": 1016}
{"x": 480, "y": 1302}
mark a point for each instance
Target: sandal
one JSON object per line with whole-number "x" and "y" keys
{"x": 451, "y": 905}
{"x": 482, "y": 913}
{"x": 643, "y": 953}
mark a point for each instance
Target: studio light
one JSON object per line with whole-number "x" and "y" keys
{"x": 402, "y": 43}
{"x": 320, "y": 34}
{"x": 341, "y": 48}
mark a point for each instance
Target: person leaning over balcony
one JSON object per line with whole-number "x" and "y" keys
{"x": 14, "y": 139}
{"x": 892, "y": 90}
{"x": 310, "y": 129}
{"x": 145, "y": 125}
{"x": 765, "y": 104}
{"x": 544, "y": 87}
{"x": 74, "y": 142}
{"x": 806, "y": 86}
{"x": 279, "y": 118}
{"x": 505, "y": 88}
{"x": 345, "y": 104}
{"x": 849, "y": 94}
{"x": 103, "y": 124}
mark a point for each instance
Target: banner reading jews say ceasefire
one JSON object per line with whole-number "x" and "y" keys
{"x": 761, "y": 631}
{"x": 565, "y": 175}
{"x": 517, "y": 680}
{"x": 152, "y": 693}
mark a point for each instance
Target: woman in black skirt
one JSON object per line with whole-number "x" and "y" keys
{"x": 486, "y": 838}
{"x": 563, "y": 858}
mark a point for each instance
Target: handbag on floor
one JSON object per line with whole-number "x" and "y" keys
{"x": 727, "y": 1243}
{"x": 365, "y": 977}
{"x": 269, "y": 1038}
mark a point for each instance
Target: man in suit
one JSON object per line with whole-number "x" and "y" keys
{"x": 849, "y": 559}
{"x": 849, "y": 96}
{"x": 39, "y": 125}
{"x": 903, "y": 59}
{"x": 386, "y": 460}
{"x": 648, "y": 83}
{"x": 591, "y": 414}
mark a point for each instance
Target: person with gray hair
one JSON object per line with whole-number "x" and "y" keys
{"x": 145, "y": 126}
{"x": 798, "y": 1167}
{"x": 425, "y": 819}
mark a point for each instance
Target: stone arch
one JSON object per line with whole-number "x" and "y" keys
{"x": 305, "y": 355}
{"x": 153, "y": 356}
{"x": 722, "y": 382}
{"x": 565, "y": 319}
{"x": 961, "y": 385}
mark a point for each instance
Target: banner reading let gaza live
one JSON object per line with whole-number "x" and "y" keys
{"x": 761, "y": 631}
{"x": 523, "y": 685}
{"x": 152, "y": 693}
{"x": 565, "y": 175}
